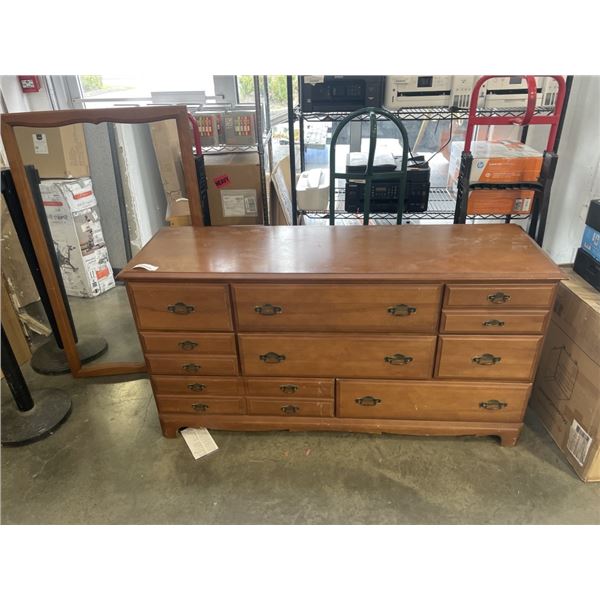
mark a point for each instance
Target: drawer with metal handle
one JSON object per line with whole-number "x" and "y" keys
{"x": 508, "y": 357}
{"x": 494, "y": 321}
{"x": 297, "y": 387}
{"x": 431, "y": 400}
{"x": 182, "y": 307}
{"x": 205, "y": 406}
{"x": 290, "y": 407}
{"x": 188, "y": 343}
{"x": 499, "y": 295}
{"x": 193, "y": 364}
{"x": 343, "y": 307}
{"x": 337, "y": 355}
{"x": 205, "y": 386}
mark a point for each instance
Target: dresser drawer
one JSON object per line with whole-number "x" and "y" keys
{"x": 289, "y": 387}
{"x": 493, "y": 321}
{"x": 290, "y": 408}
{"x": 342, "y": 355}
{"x": 182, "y": 306}
{"x": 432, "y": 400}
{"x": 488, "y": 357}
{"x": 500, "y": 295}
{"x": 205, "y": 386}
{"x": 189, "y": 343}
{"x": 194, "y": 364}
{"x": 345, "y": 307}
{"x": 201, "y": 406}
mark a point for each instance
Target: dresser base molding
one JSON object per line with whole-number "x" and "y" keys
{"x": 507, "y": 432}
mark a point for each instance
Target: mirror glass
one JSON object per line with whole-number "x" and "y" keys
{"x": 104, "y": 191}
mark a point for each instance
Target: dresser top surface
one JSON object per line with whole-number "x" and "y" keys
{"x": 404, "y": 253}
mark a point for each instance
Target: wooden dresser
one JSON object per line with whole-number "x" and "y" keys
{"x": 418, "y": 329}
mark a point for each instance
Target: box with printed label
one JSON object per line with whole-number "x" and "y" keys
{"x": 72, "y": 213}
{"x": 234, "y": 189}
{"x": 591, "y": 242}
{"x": 54, "y": 151}
{"x": 566, "y": 393}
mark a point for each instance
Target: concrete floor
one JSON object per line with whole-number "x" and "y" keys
{"x": 110, "y": 464}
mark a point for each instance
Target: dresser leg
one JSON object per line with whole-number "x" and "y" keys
{"x": 509, "y": 439}
{"x": 168, "y": 429}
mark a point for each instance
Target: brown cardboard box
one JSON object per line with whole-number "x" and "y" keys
{"x": 234, "y": 189}
{"x": 56, "y": 152}
{"x": 165, "y": 140}
{"x": 499, "y": 202}
{"x": 566, "y": 393}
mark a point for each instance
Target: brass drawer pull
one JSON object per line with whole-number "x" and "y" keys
{"x": 200, "y": 407}
{"x": 187, "y": 345}
{"x": 267, "y": 310}
{"x": 290, "y": 409}
{"x": 288, "y": 388}
{"x": 180, "y": 308}
{"x": 493, "y": 405}
{"x": 398, "y": 359}
{"x": 493, "y": 323}
{"x": 499, "y": 298}
{"x": 272, "y": 357}
{"x": 486, "y": 359}
{"x": 367, "y": 401}
{"x": 401, "y": 310}
{"x": 196, "y": 387}
{"x": 191, "y": 368}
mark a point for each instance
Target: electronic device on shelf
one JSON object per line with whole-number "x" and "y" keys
{"x": 405, "y": 91}
{"x": 385, "y": 195}
{"x": 331, "y": 93}
{"x": 508, "y": 92}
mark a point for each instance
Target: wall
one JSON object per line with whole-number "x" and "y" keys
{"x": 577, "y": 178}
{"x": 17, "y": 101}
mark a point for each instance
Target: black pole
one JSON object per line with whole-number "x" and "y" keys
{"x": 18, "y": 218}
{"x": 114, "y": 154}
{"x": 34, "y": 184}
{"x": 14, "y": 377}
{"x": 292, "y": 145}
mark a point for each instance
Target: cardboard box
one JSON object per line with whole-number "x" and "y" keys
{"x": 56, "y": 152}
{"x": 499, "y": 202}
{"x": 566, "y": 393}
{"x": 211, "y": 127}
{"x": 165, "y": 140}
{"x": 72, "y": 213}
{"x": 234, "y": 189}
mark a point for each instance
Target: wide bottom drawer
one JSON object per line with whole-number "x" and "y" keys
{"x": 290, "y": 408}
{"x": 201, "y": 406}
{"x": 431, "y": 400}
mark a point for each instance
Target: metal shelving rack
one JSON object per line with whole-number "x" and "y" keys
{"x": 263, "y": 145}
{"x": 442, "y": 203}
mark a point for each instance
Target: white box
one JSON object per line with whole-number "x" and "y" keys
{"x": 405, "y": 91}
{"x": 72, "y": 213}
{"x": 313, "y": 190}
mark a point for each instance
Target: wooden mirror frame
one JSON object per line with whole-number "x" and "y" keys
{"x": 59, "y": 118}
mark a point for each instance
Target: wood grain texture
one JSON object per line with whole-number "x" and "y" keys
{"x": 198, "y": 386}
{"x": 432, "y": 400}
{"x": 519, "y": 296}
{"x": 346, "y": 307}
{"x": 185, "y": 343}
{"x": 494, "y": 322}
{"x": 289, "y": 387}
{"x": 292, "y": 408}
{"x": 194, "y": 364}
{"x": 337, "y": 355}
{"x": 507, "y": 432}
{"x": 317, "y": 254}
{"x": 518, "y": 357}
{"x": 201, "y": 406}
{"x": 209, "y": 306}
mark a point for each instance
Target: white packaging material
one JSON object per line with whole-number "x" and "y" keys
{"x": 313, "y": 190}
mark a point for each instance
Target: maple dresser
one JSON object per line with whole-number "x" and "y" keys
{"x": 418, "y": 329}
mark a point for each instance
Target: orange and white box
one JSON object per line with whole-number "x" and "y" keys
{"x": 498, "y": 162}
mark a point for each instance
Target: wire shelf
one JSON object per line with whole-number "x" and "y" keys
{"x": 440, "y": 207}
{"x": 429, "y": 113}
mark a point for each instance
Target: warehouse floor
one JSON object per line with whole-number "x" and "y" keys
{"x": 110, "y": 464}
